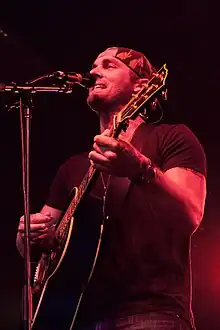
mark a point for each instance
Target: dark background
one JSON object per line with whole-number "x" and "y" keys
{"x": 44, "y": 36}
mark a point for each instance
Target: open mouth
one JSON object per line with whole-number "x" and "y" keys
{"x": 99, "y": 86}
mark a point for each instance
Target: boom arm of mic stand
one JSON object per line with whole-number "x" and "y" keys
{"x": 34, "y": 89}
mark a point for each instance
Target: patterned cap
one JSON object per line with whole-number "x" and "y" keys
{"x": 135, "y": 60}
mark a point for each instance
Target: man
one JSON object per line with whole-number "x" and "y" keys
{"x": 154, "y": 181}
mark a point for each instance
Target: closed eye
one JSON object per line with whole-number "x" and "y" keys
{"x": 108, "y": 64}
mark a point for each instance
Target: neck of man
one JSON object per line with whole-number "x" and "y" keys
{"x": 106, "y": 121}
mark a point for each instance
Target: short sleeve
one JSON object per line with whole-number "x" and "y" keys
{"x": 181, "y": 148}
{"x": 58, "y": 193}
{"x": 68, "y": 176}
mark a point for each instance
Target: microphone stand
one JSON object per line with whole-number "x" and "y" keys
{"x": 25, "y": 109}
{"x": 25, "y": 105}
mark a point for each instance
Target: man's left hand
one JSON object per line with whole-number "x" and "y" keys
{"x": 115, "y": 156}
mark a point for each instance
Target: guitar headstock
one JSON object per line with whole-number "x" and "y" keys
{"x": 147, "y": 93}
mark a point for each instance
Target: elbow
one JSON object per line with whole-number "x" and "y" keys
{"x": 192, "y": 212}
{"x": 196, "y": 214}
{"x": 20, "y": 244}
{"x": 196, "y": 207}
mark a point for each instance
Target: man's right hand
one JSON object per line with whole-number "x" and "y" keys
{"x": 39, "y": 225}
{"x": 41, "y": 228}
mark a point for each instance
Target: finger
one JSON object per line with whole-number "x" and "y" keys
{"x": 33, "y": 227}
{"x": 122, "y": 137}
{"x": 106, "y": 132}
{"x": 99, "y": 148}
{"x": 110, "y": 155}
{"x": 106, "y": 141}
{"x": 102, "y": 168}
{"x": 35, "y": 234}
{"x": 48, "y": 214}
{"x": 98, "y": 158}
{"x": 40, "y": 237}
{"x": 38, "y": 218}
{"x": 104, "y": 151}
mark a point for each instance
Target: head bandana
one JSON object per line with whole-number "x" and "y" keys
{"x": 135, "y": 60}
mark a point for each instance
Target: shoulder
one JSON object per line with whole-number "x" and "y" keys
{"x": 168, "y": 133}
{"x": 180, "y": 134}
{"x": 75, "y": 161}
{"x": 165, "y": 129}
{"x": 178, "y": 146}
{"x": 174, "y": 129}
{"x": 165, "y": 134}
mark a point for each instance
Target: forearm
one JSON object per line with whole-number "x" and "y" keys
{"x": 20, "y": 244}
{"x": 179, "y": 203}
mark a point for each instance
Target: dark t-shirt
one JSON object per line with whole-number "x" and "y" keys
{"x": 143, "y": 263}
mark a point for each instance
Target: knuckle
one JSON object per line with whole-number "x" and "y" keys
{"x": 34, "y": 217}
{"x": 113, "y": 156}
{"x": 115, "y": 144}
{"x": 91, "y": 154}
{"x": 106, "y": 132}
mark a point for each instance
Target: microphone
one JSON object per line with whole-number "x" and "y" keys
{"x": 85, "y": 79}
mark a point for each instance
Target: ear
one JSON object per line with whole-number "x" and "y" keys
{"x": 139, "y": 84}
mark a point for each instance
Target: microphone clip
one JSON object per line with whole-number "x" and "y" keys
{"x": 85, "y": 80}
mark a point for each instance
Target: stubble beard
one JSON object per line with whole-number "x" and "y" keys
{"x": 100, "y": 105}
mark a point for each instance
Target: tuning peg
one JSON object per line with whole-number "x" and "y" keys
{"x": 164, "y": 94}
{"x": 154, "y": 104}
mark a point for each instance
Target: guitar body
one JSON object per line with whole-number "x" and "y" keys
{"x": 46, "y": 268}
{"x": 65, "y": 270}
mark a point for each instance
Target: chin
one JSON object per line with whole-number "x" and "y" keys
{"x": 96, "y": 103}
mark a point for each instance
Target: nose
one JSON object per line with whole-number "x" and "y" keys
{"x": 96, "y": 72}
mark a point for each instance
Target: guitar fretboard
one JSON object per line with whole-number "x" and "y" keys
{"x": 91, "y": 175}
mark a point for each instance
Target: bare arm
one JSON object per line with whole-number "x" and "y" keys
{"x": 179, "y": 191}
{"x": 55, "y": 213}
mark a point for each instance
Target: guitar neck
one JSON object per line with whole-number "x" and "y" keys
{"x": 89, "y": 179}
